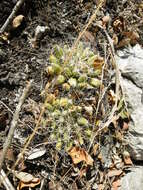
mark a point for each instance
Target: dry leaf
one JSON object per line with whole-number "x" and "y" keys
{"x": 125, "y": 126}
{"x": 100, "y": 157}
{"x": 96, "y": 146}
{"x": 115, "y": 39}
{"x": 112, "y": 96}
{"x": 79, "y": 155}
{"x": 24, "y": 177}
{"x": 88, "y": 37}
{"x": 127, "y": 159}
{"x": 105, "y": 20}
{"x": 101, "y": 186}
{"x": 82, "y": 172}
{"x": 119, "y": 24}
{"x": 114, "y": 172}
{"x": 132, "y": 35}
{"x": 17, "y": 21}
{"x": 98, "y": 62}
{"x": 124, "y": 42}
{"x": 36, "y": 153}
{"x": 128, "y": 38}
{"x": 4, "y": 37}
{"x": 22, "y": 184}
{"x": 119, "y": 136}
{"x": 54, "y": 185}
{"x": 9, "y": 156}
{"x": 116, "y": 184}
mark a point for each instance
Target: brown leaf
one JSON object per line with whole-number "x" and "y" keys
{"x": 79, "y": 155}
{"x": 124, "y": 42}
{"x": 106, "y": 20}
{"x": 119, "y": 24}
{"x": 82, "y": 172}
{"x": 9, "y": 156}
{"x": 116, "y": 184}
{"x": 125, "y": 126}
{"x": 95, "y": 148}
{"x": 22, "y": 184}
{"x": 101, "y": 186}
{"x": 127, "y": 159}
{"x": 74, "y": 186}
{"x": 119, "y": 136}
{"x": 17, "y": 21}
{"x": 98, "y": 62}
{"x": 114, "y": 172}
{"x": 115, "y": 39}
{"x": 25, "y": 177}
{"x": 132, "y": 35}
{"x": 54, "y": 185}
{"x": 88, "y": 37}
{"x": 112, "y": 96}
{"x": 4, "y": 37}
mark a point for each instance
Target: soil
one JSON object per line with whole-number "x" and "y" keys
{"x": 20, "y": 62}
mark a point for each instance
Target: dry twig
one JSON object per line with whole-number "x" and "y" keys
{"x": 92, "y": 18}
{"x": 114, "y": 109}
{"x": 9, "y": 19}
{"x": 14, "y": 123}
{"x": 7, "y": 184}
{"x": 32, "y": 135}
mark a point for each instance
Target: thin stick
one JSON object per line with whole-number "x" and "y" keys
{"x": 114, "y": 109}
{"x": 7, "y": 184}
{"x": 6, "y": 107}
{"x": 14, "y": 123}
{"x": 32, "y": 134}
{"x": 9, "y": 19}
{"x": 92, "y": 18}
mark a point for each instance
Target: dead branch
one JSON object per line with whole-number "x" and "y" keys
{"x": 6, "y": 182}
{"x": 10, "y": 18}
{"x": 14, "y": 123}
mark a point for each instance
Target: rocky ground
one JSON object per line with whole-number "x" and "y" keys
{"x": 68, "y": 157}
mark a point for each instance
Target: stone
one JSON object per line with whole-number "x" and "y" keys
{"x": 133, "y": 180}
{"x": 130, "y": 63}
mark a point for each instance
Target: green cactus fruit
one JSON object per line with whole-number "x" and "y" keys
{"x": 57, "y": 68}
{"x": 49, "y": 107}
{"x": 53, "y": 59}
{"x": 67, "y": 72}
{"x": 82, "y": 121}
{"x": 66, "y": 87}
{"x": 64, "y": 102}
{"x": 60, "y": 79}
{"x": 72, "y": 82}
{"x": 95, "y": 82}
{"x": 82, "y": 85}
{"x": 50, "y": 70}
{"x": 82, "y": 78}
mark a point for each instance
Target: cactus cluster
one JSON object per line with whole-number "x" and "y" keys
{"x": 71, "y": 105}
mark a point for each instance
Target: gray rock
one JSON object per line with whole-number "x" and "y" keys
{"x": 131, "y": 66}
{"x": 133, "y": 180}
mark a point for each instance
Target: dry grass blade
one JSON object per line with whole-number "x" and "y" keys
{"x": 114, "y": 109}
{"x": 92, "y": 18}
